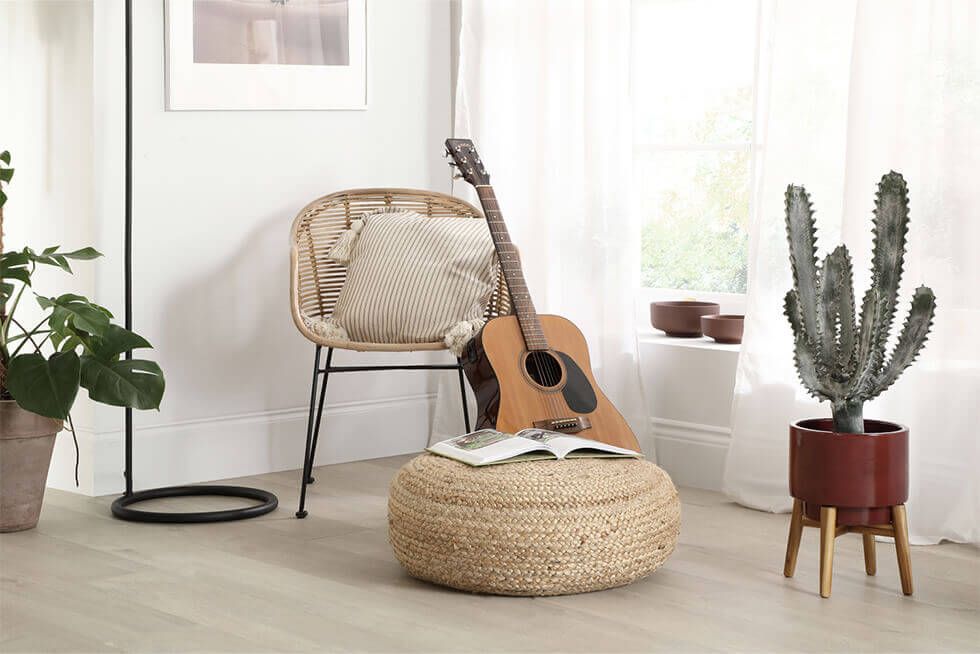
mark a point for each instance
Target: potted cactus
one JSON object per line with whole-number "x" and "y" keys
{"x": 847, "y": 472}
{"x": 42, "y": 366}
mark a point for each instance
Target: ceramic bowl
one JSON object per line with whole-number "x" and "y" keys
{"x": 724, "y": 328}
{"x": 681, "y": 318}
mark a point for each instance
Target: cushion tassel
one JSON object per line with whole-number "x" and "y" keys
{"x": 462, "y": 333}
{"x": 328, "y": 329}
{"x": 341, "y": 250}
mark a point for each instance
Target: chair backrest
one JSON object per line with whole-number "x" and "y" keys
{"x": 316, "y": 281}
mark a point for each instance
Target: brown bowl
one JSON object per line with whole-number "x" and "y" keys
{"x": 724, "y": 327}
{"x": 681, "y": 318}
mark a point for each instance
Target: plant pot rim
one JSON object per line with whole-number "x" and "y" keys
{"x": 17, "y": 422}
{"x": 735, "y": 317}
{"x": 818, "y": 426}
{"x": 694, "y": 304}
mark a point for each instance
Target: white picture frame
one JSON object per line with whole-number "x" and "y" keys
{"x": 193, "y": 85}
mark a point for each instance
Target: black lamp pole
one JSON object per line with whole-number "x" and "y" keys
{"x": 128, "y": 229}
{"x": 122, "y": 507}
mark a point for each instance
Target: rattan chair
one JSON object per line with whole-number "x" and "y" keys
{"x": 316, "y": 283}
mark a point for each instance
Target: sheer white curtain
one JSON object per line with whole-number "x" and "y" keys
{"x": 849, "y": 91}
{"x": 543, "y": 90}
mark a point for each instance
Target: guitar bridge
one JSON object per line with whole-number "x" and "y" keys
{"x": 564, "y": 425}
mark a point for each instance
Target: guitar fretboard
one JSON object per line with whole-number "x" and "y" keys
{"x": 511, "y": 266}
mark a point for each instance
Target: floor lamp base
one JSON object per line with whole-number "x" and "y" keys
{"x": 121, "y": 508}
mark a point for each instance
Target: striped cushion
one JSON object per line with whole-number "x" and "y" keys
{"x": 411, "y": 279}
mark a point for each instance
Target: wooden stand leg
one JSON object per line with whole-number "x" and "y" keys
{"x": 793, "y": 542}
{"x": 870, "y": 563}
{"x": 828, "y": 531}
{"x": 901, "y": 526}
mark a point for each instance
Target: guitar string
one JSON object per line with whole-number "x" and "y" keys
{"x": 543, "y": 368}
{"x": 550, "y": 381}
{"x": 545, "y": 371}
{"x": 543, "y": 374}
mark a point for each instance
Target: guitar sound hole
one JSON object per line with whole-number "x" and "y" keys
{"x": 543, "y": 368}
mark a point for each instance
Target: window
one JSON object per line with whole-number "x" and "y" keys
{"x": 693, "y": 84}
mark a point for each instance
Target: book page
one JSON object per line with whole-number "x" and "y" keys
{"x": 563, "y": 444}
{"x": 486, "y": 446}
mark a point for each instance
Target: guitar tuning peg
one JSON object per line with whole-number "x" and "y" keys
{"x": 446, "y": 153}
{"x": 457, "y": 176}
{"x": 451, "y": 164}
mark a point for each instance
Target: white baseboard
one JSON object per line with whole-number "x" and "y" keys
{"x": 235, "y": 446}
{"x": 692, "y": 454}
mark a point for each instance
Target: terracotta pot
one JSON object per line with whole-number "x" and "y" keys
{"x": 681, "y": 318}
{"x": 860, "y": 474}
{"x": 724, "y": 328}
{"x": 26, "y": 442}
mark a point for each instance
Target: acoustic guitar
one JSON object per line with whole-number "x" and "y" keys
{"x": 530, "y": 370}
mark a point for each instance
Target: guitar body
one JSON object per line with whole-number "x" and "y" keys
{"x": 554, "y": 389}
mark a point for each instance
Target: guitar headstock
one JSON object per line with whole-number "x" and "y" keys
{"x": 466, "y": 160}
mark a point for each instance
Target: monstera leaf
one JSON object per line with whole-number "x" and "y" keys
{"x": 18, "y": 265}
{"x": 51, "y": 256}
{"x": 13, "y": 266}
{"x": 135, "y": 383}
{"x": 114, "y": 341}
{"x": 44, "y": 386}
{"x": 6, "y": 174}
{"x": 76, "y": 311}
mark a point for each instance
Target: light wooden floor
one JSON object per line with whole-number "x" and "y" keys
{"x": 85, "y": 582}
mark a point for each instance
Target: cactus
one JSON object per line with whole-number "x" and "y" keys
{"x": 838, "y": 359}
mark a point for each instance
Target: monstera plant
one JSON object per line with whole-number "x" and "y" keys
{"x": 851, "y": 473}
{"x": 44, "y": 363}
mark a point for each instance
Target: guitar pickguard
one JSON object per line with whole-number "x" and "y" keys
{"x": 577, "y": 391}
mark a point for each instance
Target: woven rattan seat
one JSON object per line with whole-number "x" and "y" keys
{"x": 316, "y": 281}
{"x": 532, "y": 528}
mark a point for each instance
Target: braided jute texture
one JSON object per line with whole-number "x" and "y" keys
{"x": 532, "y": 528}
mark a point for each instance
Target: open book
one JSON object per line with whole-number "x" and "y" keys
{"x": 489, "y": 446}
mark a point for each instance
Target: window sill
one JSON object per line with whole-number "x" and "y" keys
{"x": 651, "y": 337}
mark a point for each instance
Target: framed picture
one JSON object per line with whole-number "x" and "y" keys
{"x": 266, "y": 54}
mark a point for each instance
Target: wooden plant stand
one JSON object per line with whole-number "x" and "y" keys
{"x": 829, "y": 530}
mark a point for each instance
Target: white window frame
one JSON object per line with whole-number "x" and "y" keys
{"x": 729, "y": 302}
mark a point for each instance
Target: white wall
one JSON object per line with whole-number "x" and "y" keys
{"x": 215, "y": 193}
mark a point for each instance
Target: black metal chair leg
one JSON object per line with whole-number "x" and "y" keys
{"x": 319, "y": 414}
{"x": 307, "y": 459}
{"x": 316, "y": 409}
{"x": 462, "y": 392}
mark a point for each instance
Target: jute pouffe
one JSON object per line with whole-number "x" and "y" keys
{"x": 532, "y": 528}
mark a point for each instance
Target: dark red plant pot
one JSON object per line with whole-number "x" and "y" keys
{"x": 860, "y": 474}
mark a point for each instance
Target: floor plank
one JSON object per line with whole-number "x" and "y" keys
{"x": 85, "y": 582}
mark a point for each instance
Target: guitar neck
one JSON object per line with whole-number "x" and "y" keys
{"x": 510, "y": 264}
